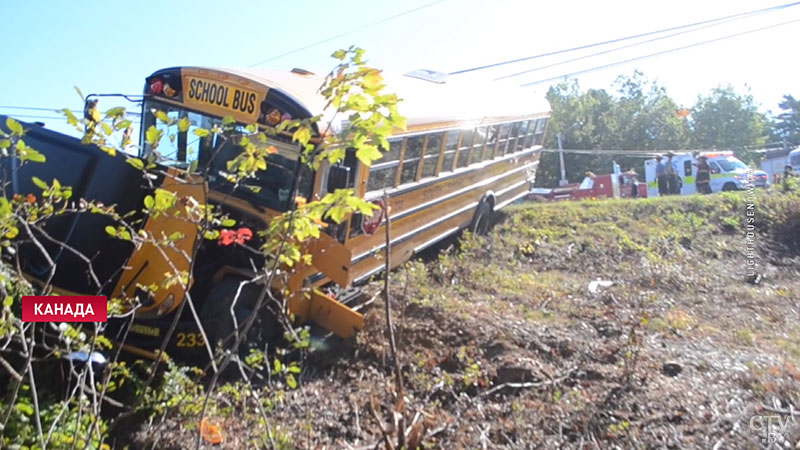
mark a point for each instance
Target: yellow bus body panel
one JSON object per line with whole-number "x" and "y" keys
{"x": 150, "y": 264}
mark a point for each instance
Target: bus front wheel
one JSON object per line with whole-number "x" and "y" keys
{"x": 228, "y": 307}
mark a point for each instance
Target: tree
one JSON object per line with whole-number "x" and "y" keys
{"x": 787, "y": 125}
{"x": 728, "y": 120}
{"x": 640, "y": 117}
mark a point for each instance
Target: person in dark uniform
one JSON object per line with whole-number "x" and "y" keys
{"x": 702, "y": 181}
{"x": 661, "y": 176}
{"x": 788, "y": 174}
{"x": 672, "y": 176}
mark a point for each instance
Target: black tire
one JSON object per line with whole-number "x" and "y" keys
{"x": 482, "y": 221}
{"x": 219, "y": 323}
{"x": 729, "y": 187}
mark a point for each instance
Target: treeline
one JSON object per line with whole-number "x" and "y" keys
{"x": 639, "y": 115}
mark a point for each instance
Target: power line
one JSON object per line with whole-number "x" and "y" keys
{"x": 635, "y": 44}
{"x": 33, "y": 116}
{"x": 649, "y": 33}
{"x": 652, "y": 55}
{"x": 57, "y": 110}
{"x": 31, "y": 108}
{"x": 387, "y": 19}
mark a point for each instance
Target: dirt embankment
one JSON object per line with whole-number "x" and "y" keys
{"x": 601, "y": 324}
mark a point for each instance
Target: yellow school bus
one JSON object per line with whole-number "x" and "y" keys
{"x": 467, "y": 152}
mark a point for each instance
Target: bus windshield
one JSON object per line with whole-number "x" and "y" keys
{"x": 270, "y": 188}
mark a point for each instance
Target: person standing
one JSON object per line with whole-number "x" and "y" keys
{"x": 661, "y": 176}
{"x": 702, "y": 181}
{"x": 672, "y": 176}
{"x": 788, "y": 174}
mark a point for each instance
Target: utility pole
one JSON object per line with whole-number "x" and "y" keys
{"x": 559, "y": 136}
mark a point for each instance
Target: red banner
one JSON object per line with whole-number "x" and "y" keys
{"x": 76, "y": 308}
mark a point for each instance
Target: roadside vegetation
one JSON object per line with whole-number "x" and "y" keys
{"x": 571, "y": 325}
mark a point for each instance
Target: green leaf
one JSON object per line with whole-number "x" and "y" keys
{"x": 228, "y": 120}
{"x": 8, "y": 301}
{"x": 368, "y": 153}
{"x": 122, "y": 124}
{"x": 339, "y": 54}
{"x": 12, "y": 232}
{"x": 183, "y": 124}
{"x": 162, "y": 116}
{"x": 193, "y": 166}
{"x": 373, "y": 80}
{"x": 302, "y": 135}
{"x": 278, "y": 367}
{"x": 71, "y": 118}
{"x": 34, "y": 156}
{"x": 25, "y": 408}
{"x": 201, "y": 132}
{"x": 164, "y": 199}
{"x": 228, "y": 223}
{"x": 114, "y": 112}
{"x": 5, "y": 143}
{"x": 135, "y": 162}
{"x": 111, "y": 230}
{"x": 153, "y": 135}
{"x": 14, "y": 126}
{"x": 124, "y": 234}
{"x": 39, "y": 183}
{"x": 291, "y": 382}
{"x": 149, "y": 202}
{"x": 78, "y": 90}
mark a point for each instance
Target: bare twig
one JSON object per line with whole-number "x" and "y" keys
{"x": 527, "y": 385}
{"x": 6, "y": 365}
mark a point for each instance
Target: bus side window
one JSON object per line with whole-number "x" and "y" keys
{"x": 382, "y": 173}
{"x": 530, "y": 134}
{"x": 432, "y": 151}
{"x": 502, "y": 140}
{"x": 519, "y": 143}
{"x": 411, "y": 159}
{"x": 491, "y": 141}
{"x": 541, "y": 124}
{"x": 449, "y": 159}
{"x": 687, "y": 168}
{"x": 464, "y": 146}
{"x": 481, "y": 135}
{"x": 512, "y": 138}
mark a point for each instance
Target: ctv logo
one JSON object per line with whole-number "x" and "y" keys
{"x": 75, "y": 308}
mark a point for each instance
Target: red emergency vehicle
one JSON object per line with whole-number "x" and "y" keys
{"x": 621, "y": 185}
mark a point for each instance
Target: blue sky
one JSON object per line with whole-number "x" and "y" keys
{"x": 108, "y": 47}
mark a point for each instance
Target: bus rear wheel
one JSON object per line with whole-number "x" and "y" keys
{"x": 228, "y": 307}
{"x": 482, "y": 220}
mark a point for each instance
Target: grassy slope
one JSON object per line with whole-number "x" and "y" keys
{"x": 601, "y": 367}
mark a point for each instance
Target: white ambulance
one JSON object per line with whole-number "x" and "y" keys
{"x": 794, "y": 160}
{"x": 727, "y": 172}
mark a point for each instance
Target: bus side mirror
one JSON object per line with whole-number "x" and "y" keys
{"x": 338, "y": 178}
